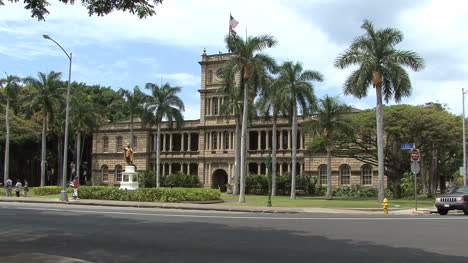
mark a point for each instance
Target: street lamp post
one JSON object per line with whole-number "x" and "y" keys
{"x": 464, "y": 136}
{"x": 63, "y": 192}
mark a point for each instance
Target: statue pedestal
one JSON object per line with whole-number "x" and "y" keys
{"x": 129, "y": 178}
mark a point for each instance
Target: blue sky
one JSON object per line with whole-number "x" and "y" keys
{"x": 121, "y": 51}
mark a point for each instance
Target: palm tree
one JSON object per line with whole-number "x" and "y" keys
{"x": 45, "y": 95}
{"x": 133, "y": 104}
{"x": 328, "y": 123}
{"x": 273, "y": 101}
{"x": 12, "y": 88}
{"x": 164, "y": 104}
{"x": 298, "y": 86}
{"x": 233, "y": 107}
{"x": 252, "y": 67}
{"x": 85, "y": 118}
{"x": 380, "y": 64}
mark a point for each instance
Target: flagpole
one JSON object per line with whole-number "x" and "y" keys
{"x": 229, "y": 31}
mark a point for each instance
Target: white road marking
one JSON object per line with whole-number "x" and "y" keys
{"x": 252, "y": 217}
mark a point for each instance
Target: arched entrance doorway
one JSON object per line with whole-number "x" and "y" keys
{"x": 219, "y": 180}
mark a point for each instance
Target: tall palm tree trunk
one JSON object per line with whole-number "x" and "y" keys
{"x": 158, "y": 155}
{"x": 43, "y": 150}
{"x": 237, "y": 158}
{"x": 329, "y": 174}
{"x": 273, "y": 159}
{"x": 58, "y": 171}
{"x": 243, "y": 144}
{"x": 78, "y": 155}
{"x": 380, "y": 142}
{"x": 294, "y": 149}
{"x": 7, "y": 143}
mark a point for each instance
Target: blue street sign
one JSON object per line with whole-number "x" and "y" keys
{"x": 407, "y": 146}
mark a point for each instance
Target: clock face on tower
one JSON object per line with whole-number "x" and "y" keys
{"x": 220, "y": 73}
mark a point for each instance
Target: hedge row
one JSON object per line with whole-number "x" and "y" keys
{"x": 49, "y": 190}
{"x": 148, "y": 179}
{"x": 141, "y": 195}
{"x": 258, "y": 184}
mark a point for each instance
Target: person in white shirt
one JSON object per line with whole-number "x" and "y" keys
{"x": 18, "y": 188}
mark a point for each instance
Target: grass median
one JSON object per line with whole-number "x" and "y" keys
{"x": 337, "y": 202}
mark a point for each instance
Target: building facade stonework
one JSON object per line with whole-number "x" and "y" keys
{"x": 206, "y": 147}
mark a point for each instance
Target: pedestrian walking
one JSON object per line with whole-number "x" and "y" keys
{"x": 8, "y": 186}
{"x": 18, "y": 188}
{"x": 26, "y": 188}
{"x": 76, "y": 185}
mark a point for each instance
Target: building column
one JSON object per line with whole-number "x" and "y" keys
{"x": 289, "y": 167}
{"x": 170, "y": 168}
{"x": 302, "y": 141}
{"x": 259, "y": 166}
{"x": 229, "y": 173}
{"x": 188, "y": 169}
{"x": 163, "y": 168}
{"x": 170, "y": 142}
{"x": 281, "y": 168}
{"x": 267, "y": 140}
{"x": 208, "y": 139}
{"x": 155, "y": 142}
{"x": 182, "y": 135}
{"x": 189, "y": 142}
{"x": 289, "y": 139}
{"x": 280, "y": 144}
{"x": 222, "y": 141}
{"x": 300, "y": 168}
{"x": 259, "y": 143}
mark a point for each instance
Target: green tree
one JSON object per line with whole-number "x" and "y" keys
{"x": 85, "y": 118}
{"x": 142, "y": 8}
{"x": 252, "y": 67}
{"x": 297, "y": 84}
{"x": 329, "y": 121}
{"x": 272, "y": 104}
{"x": 12, "y": 87}
{"x": 163, "y": 104}
{"x": 45, "y": 95}
{"x": 380, "y": 65}
{"x": 133, "y": 104}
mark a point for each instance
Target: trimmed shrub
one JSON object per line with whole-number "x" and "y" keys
{"x": 356, "y": 191}
{"x": 258, "y": 184}
{"x": 149, "y": 194}
{"x": 49, "y": 190}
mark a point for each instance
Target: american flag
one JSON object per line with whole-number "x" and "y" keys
{"x": 232, "y": 24}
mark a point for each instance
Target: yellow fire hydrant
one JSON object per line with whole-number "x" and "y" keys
{"x": 385, "y": 206}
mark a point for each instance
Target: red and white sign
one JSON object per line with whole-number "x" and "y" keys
{"x": 415, "y": 155}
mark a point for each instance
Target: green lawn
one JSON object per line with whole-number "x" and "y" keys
{"x": 285, "y": 201}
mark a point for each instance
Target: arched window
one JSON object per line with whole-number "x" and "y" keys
{"x": 105, "y": 144}
{"x": 105, "y": 173}
{"x": 118, "y": 144}
{"x": 345, "y": 174}
{"x": 118, "y": 173}
{"x": 366, "y": 171}
{"x": 323, "y": 174}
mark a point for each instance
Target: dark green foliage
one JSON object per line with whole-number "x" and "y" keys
{"x": 355, "y": 191}
{"x": 180, "y": 180}
{"x": 142, "y": 8}
{"x": 147, "y": 179}
{"x": 258, "y": 184}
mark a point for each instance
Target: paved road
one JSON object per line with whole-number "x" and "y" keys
{"x": 110, "y": 234}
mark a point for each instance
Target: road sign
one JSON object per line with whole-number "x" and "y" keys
{"x": 407, "y": 146}
{"x": 415, "y": 167}
{"x": 415, "y": 155}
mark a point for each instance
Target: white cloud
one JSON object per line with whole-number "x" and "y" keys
{"x": 183, "y": 79}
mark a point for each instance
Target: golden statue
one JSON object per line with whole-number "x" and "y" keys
{"x": 128, "y": 155}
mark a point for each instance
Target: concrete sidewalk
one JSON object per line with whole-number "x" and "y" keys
{"x": 217, "y": 207}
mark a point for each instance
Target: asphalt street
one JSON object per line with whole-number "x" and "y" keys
{"x": 66, "y": 233}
